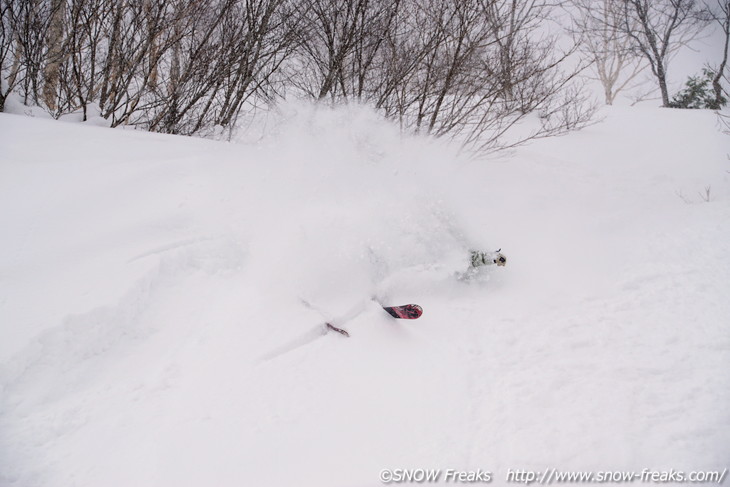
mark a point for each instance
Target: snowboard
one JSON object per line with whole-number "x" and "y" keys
{"x": 405, "y": 312}
{"x": 332, "y": 327}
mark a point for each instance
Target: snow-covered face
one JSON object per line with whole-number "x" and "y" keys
{"x": 500, "y": 259}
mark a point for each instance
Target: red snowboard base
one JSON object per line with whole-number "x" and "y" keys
{"x": 405, "y": 312}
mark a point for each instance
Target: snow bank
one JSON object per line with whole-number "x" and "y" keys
{"x": 154, "y": 333}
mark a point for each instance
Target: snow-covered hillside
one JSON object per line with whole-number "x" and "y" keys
{"x": 152, "y": 329}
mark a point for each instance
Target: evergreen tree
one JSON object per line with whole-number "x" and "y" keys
{"x": 698, "y": 93}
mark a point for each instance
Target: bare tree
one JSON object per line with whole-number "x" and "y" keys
{"x": 80, "y": 80}
{"x": 447, "y": 79}
{"x": 363, "y": 78}
{"x": 663, "y": 27}
{"x": 54, "y": 56}
{"x": 223, "y": 53}
{"x": 28, "y": 21}
{"x": 470, "y": 70}
{"x": 263, "y": 39}
{"x": 484, "y": 69}
{"x": 596, "y": 29}
{"x": 9, "y": 63}
{"x": 140, "y": 34}
{"x": 340, "y": 42}
{"x": 720, "y": 12}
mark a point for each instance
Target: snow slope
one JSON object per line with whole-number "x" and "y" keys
{"x": 152, "y": 329}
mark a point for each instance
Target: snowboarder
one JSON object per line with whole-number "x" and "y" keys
{"x": 479, "y": 258}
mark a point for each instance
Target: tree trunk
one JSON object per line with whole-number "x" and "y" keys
{"x": 55, "y": 52}
{"x": 662, "y": 78}
{"x": 609, "y": 94}
{"x": 716, "y": 87}
{"x": 154, "y": 47}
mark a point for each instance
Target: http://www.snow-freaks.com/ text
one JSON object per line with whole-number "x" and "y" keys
{"x": 550, "y": 476}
